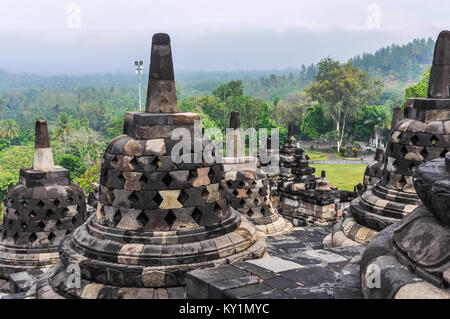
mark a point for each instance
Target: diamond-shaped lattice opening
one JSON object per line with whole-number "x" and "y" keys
{"x": 254, "y": 183}
{"x": 261, "y": 192}
{"x": 395, "y": 164}
{"x": 196, "y": 215}
{"x": 249, "y": 192}
{"x": 217, "y": 209}
{"x": 74, "y": 220}
{"x": 32, "y": 215}
{"x": 402, "y": 182}
{"x": 184, "y": 196}
{"x": 229, "y": 183}
{"x": 144, "y": 179}
{"x": 241, "y": 184}
{"x": 41, "y": 224}
{"x": 434, "y": 140}
{"x": 134, "y": 163}
{"x": 250, "y": 213}
{"x": 170, "y": 218}
{"x": 117, "y": 218}
{"x": 235, "y": 192}
{"x": 444, "y": 152}
{"x": 51, "y": 237}
{"x": 256, "y": 201}
{"x": 70, "y": 200}
{"x": 211, "y": 174}
{"x": 133, "y": 198}
{"x": 114, "y": 161}
{"x": 24, "y": 204}
{"x": 424, "y": 153}
{"x": 404, "y": 151}
{"x": 156, "y": 162}
{"x": 58, "y": 222}
{"x": 265, "y": 211}
{"x": 32, "y": 238}
{"x": 414, "y": 140}
{"x": 56, "y": 202}
{"x": 242, "y": 202}
{"x": 104, "y": 177}
{"x": 24, "y": 226}
{"x": 50, "y": 212}
{"x": 167, "y": 180}
{"x": 142, "y": 218}
{"x": 40, "y": 204}
{"x": 157, "y": 199}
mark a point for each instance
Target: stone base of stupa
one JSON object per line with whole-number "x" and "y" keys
{"x": 110, "y": 268}
{"x": 39, "y": 212}
{"x": 311, "y": 207}
{"x": 349, "y": 233}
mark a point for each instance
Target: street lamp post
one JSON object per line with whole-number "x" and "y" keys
{"x": 139, "y": 70}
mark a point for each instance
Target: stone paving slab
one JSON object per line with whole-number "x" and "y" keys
{"x": 299, "y": 268}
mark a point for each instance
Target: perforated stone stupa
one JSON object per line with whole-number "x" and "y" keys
{"x": 412, "y": 258}
{"x": 249, "y": 189}
{"x": 422, "y": 136}
{"x": 43, "y": 208}
{"x": 156, "y": 219}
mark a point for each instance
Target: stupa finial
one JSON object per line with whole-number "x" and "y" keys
{"x": 43, "y": 157}
{"x": 439, "y": 85}
{"x": 161, "y": 92}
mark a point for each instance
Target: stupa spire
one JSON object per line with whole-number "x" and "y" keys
{"x": 439, "y": 85}
{"x": 161, "y": 92}
{"x": 43, "y": 157}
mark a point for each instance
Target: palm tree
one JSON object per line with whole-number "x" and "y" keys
{"x": 62, "y": 129}
{"x": 9, "y": 129}
{"x": 378, "y": 118}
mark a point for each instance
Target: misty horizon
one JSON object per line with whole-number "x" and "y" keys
{"x": 84, "y": 38}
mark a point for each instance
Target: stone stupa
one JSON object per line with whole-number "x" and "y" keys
{"x": 248, "y": 187}
{"x": 411, "y": 259}
{"x": 39, "y": 212}
{"x": 157, "y": 219}
{"x": 422, "y": 136}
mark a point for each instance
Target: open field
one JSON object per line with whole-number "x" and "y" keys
{"x": 345, "y": 177}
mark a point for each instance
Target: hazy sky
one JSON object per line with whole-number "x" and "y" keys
{"x": 98, "y": 36}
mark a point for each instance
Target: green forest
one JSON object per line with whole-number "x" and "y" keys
{"x": 343, "y": 102}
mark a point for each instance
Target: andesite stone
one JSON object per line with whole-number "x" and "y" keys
{"x": 156, "y": 218}
{"x": 39, "y": 212}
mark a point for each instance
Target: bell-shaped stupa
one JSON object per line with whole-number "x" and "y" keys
{"x": 39, "y": 212}
{"x": 163, "y": 209}
{"x": 248, "y": 187}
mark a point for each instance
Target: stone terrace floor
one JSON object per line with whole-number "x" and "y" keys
{"x": 298, "y": 268}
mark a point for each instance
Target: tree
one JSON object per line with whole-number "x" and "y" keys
{"x": 9, "y": 129}
{"x": 2, "y": 109}
{"x": 62, "y": 129}
{"x": 74, "y": 164}
{"x": 230, "y": 89}
{"x": 377, "y": 118}
{"x": 420, "y": 89}
{"x": 341, "y": 90}
{"x": 291, "y": 110}
{"x": 315, "y": 124}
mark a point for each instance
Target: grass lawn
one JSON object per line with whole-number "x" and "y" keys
{"x": 344, "y": 177}
{"x": 316, "y": 156}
